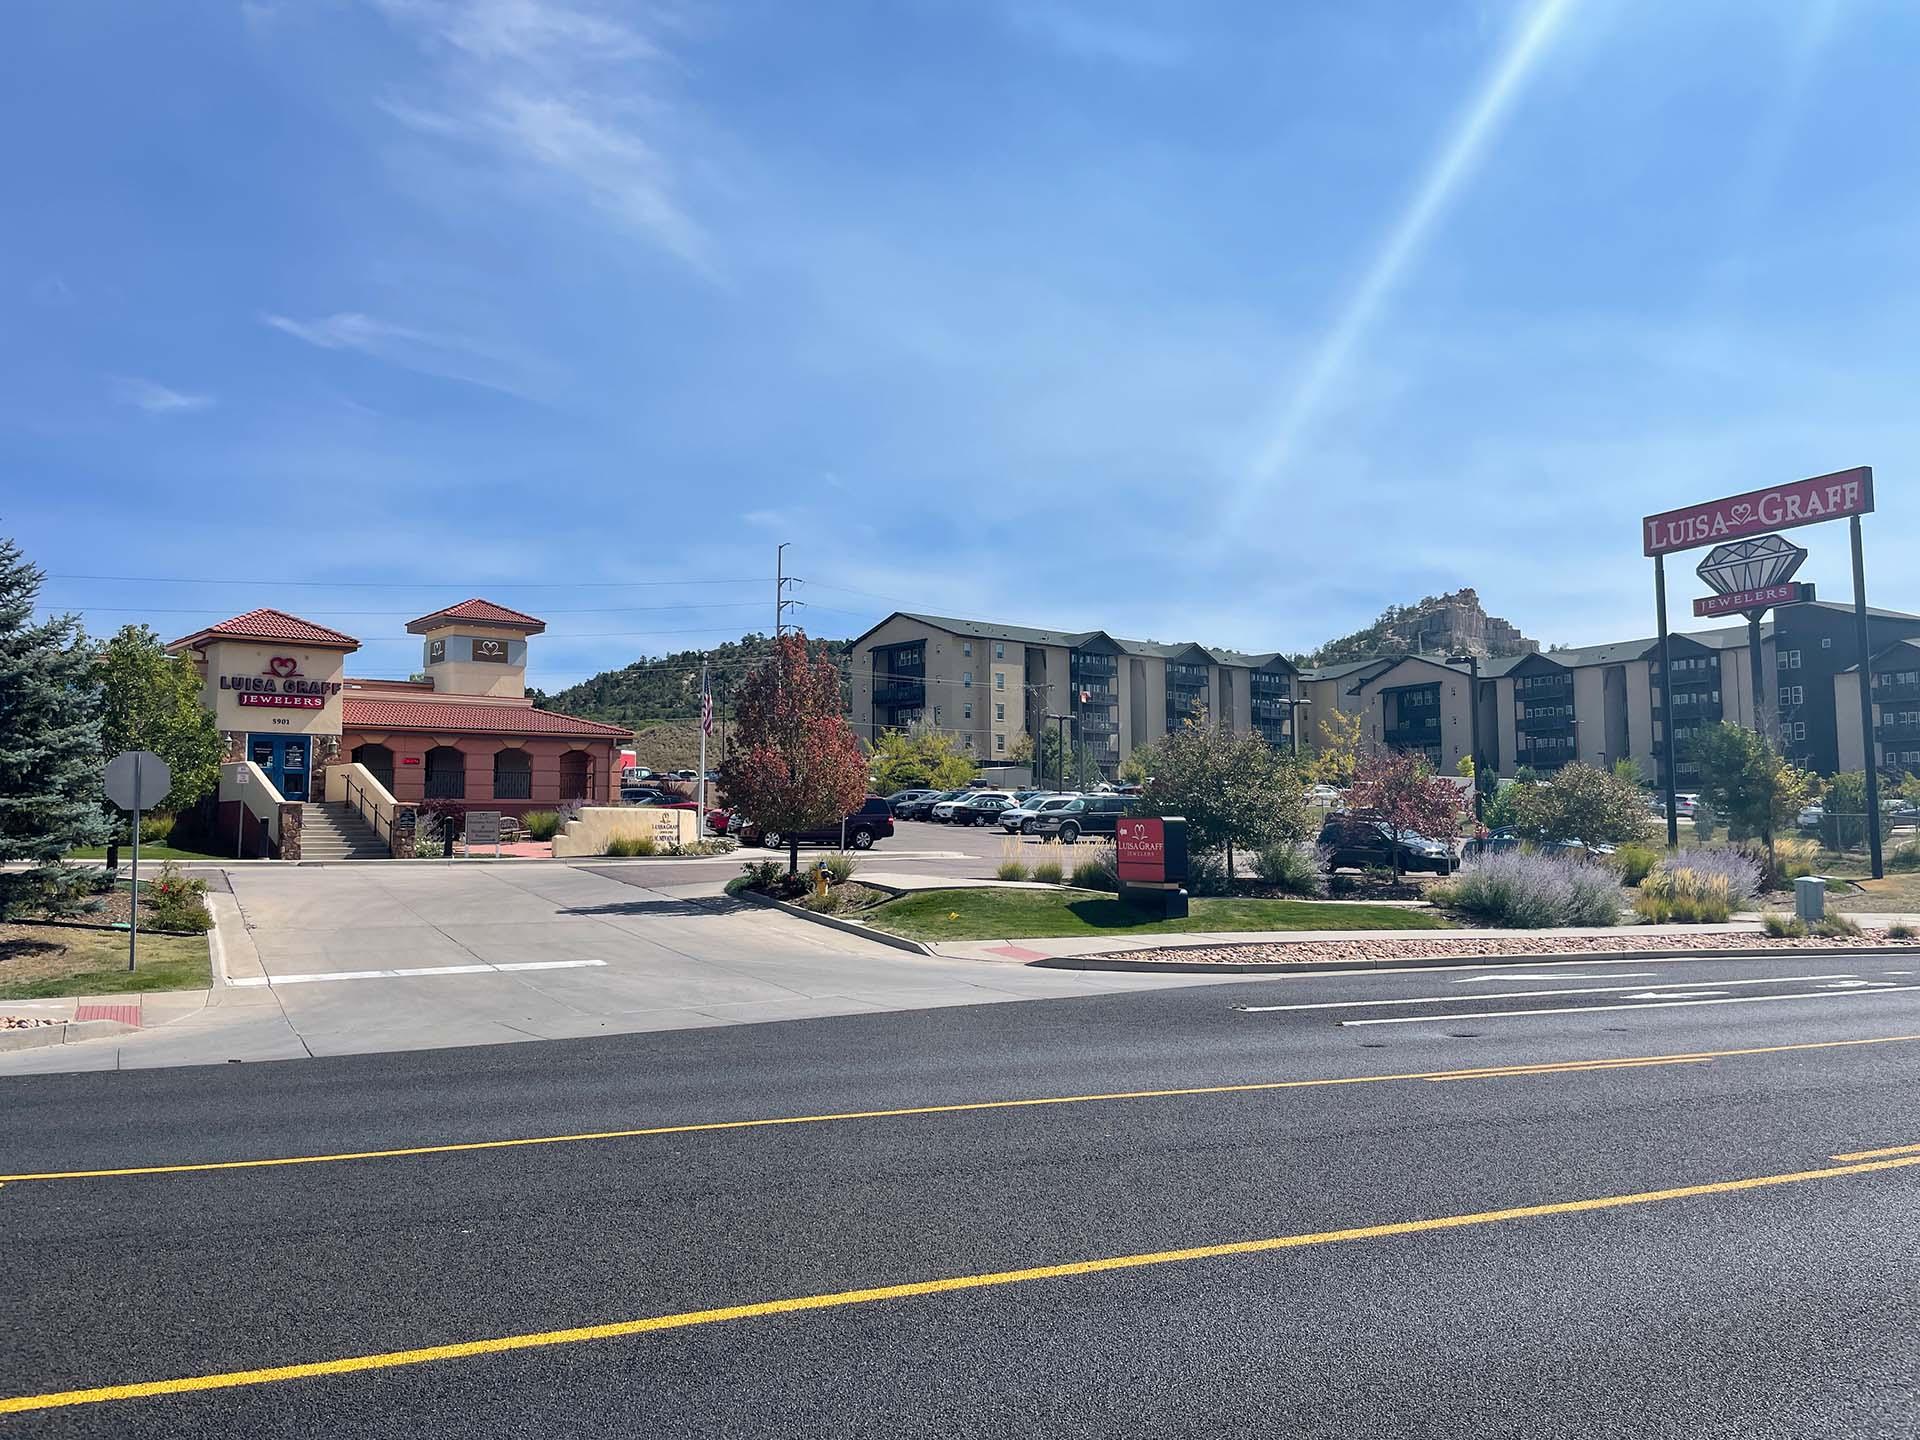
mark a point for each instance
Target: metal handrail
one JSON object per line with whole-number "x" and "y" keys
{"x": 359, "y": 808}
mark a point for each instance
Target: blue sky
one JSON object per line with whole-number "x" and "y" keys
{"x": 1226, "y": 321}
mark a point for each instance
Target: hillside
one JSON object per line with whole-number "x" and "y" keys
{"x": 658, "y": 697}
{"x": 1439, "y": 624}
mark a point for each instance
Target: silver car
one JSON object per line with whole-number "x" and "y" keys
{"x": 1019, "y": 820}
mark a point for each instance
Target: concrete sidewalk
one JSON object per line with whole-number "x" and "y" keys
{"x": 312, "y": 961}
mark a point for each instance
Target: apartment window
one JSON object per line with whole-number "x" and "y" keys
{"x": 1788, "y": 660}
{"x": 999, "y": 679}
{"x": 999, "y": 651}
{"x": 966, "y": 711}
{"x": 1799, "y": 730}
{"x": 1793, "y": 694}
{"x": 999, "y": 741}
{"x": 1827, "y": 643}
{"x": 966, "y": 679}
{"x": 967, "y": 740}
{"x": 966, "y": 647}
{"x": 999, "y": 712}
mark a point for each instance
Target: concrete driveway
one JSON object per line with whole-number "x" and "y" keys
{"x": 355, "y": 958}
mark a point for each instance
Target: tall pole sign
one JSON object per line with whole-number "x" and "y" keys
{"x": 1843, "y": 495}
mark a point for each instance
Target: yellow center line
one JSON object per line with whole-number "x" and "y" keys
{"x": 1876, "y": 1154}
{"x": 1491, "y": 1072}
{"x": 619, "y": 1329}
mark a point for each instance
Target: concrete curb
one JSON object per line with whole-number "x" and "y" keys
{"x": 66, "y": 1031}
{"x": 1434, "y": 962}
{"x": 834, "y": 922}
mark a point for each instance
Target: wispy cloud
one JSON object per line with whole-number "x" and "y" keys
{"x": 561, "y": 94}
{"x": 450, "y": 357}
{"x": 1098, "y": 37}
{"x": 155, "y": 398}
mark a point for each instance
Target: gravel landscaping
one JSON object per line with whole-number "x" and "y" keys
{"x": 1319, "y": 952}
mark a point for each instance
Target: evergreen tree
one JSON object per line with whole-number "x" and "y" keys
{"x": 49, "y": 747}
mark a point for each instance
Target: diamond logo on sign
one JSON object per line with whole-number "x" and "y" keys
{"x": 1756, "y": 564}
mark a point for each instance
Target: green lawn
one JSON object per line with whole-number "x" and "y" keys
{"x": 155, "y": 853}
{"x": 38, "y": 961}
{"x": 1017, "y": 914}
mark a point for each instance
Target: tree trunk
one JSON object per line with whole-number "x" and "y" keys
{"x": 793, "y": 855}
{"x": 1229, "y": 866}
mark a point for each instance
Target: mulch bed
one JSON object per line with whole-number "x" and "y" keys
{"x": 1316, "y": 952}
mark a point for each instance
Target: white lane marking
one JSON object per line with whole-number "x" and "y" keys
{"x": 413, "y": 974}
{"x": 1603, "y": 1009}
{"x": 1674, "y": 985}
{"x": 1622, "y": 975}
{"x": 1681, "y": 994}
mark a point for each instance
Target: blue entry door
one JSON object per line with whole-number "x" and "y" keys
{"x": 284, "y": 758}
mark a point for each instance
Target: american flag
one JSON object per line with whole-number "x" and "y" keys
{"x": 706, "y": 710}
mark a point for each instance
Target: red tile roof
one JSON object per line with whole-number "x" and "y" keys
{"x": 480, "y": 612}
{"x": 361, "y": 712}
{"x": 269, "y": 625}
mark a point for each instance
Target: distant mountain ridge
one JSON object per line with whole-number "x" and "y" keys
{"x": 1438, "y": 624}
{"x": 667, "y": 687}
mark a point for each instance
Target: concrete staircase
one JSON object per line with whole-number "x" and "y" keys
{"x": 336, "y": 832}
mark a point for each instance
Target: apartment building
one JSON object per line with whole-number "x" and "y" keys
{"x": 1599, "y": 704}
{"x": 992, "y": 684}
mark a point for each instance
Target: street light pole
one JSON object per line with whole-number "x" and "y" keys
{"x": 1293, "y": 721}
{"x": 1473, "y": 725}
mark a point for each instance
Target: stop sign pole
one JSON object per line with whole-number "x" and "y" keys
{"x": 133, "y": 780}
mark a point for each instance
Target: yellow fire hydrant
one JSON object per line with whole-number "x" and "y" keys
{"x": 820, "y": 878}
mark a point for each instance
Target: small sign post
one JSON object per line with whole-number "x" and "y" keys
{"x": 1150, "y": 860}
{"x": 483, "y": 828}
{"x": 133, "y": 780}
{"x": 240, "y": 816}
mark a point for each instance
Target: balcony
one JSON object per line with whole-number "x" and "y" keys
{"x": 1544, "y": 759}
{"x": 1092, "y": 666}
{"x": 1897, "y": 732}
{"x": 1528, "y": 724}
{"x": 899, "y": 693}
{"x": 1186, "y": 675}
{"x": 1886, "y": 691}
{"x": 1091, "y": 725}
{"x": 1270, "y": 709}
{"x": 1413, "y": 737}
{"x": 1696, "y": 679}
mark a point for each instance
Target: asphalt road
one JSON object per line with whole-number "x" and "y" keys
{"x": 1779, "y": 1308}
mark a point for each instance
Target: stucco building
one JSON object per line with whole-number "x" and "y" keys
{"x": 464, "y": 732}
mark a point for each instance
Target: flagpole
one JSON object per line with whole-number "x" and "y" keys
{"x": 706, "y": 723}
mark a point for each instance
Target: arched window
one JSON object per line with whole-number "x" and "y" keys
{"x": 379, "y": 760}
{"x": 446, "y": 774}
{"x": 512, "y": 775}
{"x": 576, "y": 775}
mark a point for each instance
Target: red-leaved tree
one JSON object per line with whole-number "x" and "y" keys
{"x": 794, "y": 764}
{"x": 1401, "y": 788}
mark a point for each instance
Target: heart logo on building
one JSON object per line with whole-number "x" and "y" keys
{"x": 283, "y": 666}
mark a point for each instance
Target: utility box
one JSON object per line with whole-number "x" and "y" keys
{"x": 1810, "y": 898}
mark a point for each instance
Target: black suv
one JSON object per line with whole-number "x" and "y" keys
{"x": 922, "y": 808}
{"x": 1366, "y": 842}
{"x": 1088, "y": 815}
{"x": 872, "y": 821}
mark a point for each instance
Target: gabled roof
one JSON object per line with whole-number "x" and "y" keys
{"x": 1347, "y": 667}
{"x": 269, "y": 625}
{"x": 1885, "y": 652}
{"x": 477, "y": 612}
{"x": 365, "y": 712}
